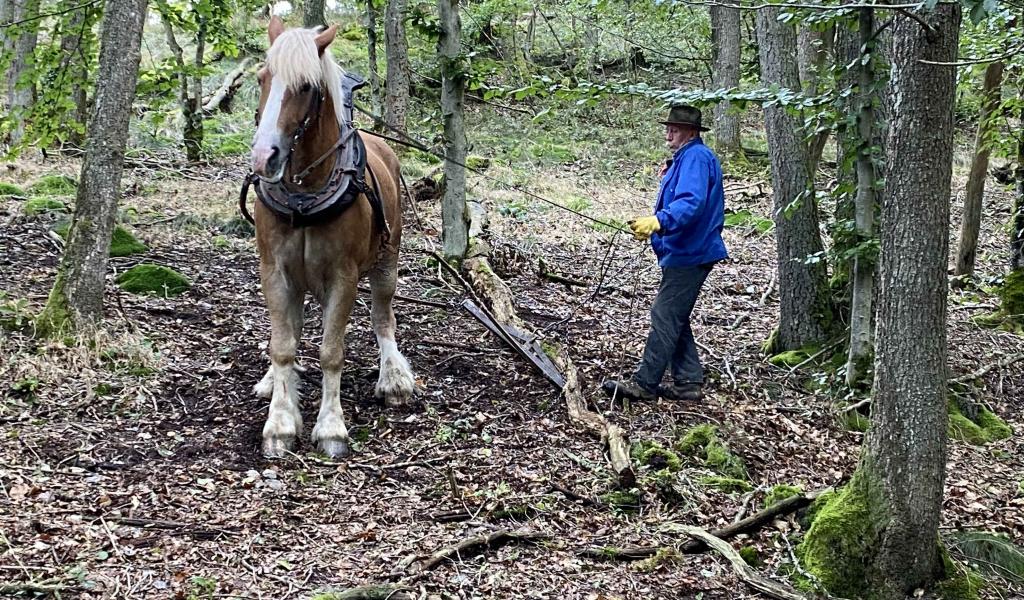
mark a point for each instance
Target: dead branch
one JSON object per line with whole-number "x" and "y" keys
{"x": 751, "y": 523}
{"x": 586, "y": 500}
{"x": 475, "y": 545}
{"x": 1009, "y": 360}
{"x": 544, "y": 273}
{"x": 744, "y": 571}
{"x": 371, "y": 592}
{"x": 221, "y": 99}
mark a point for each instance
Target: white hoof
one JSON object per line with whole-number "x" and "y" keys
{"x": 331, "y": 437}
{"x": 279, "y": 434}
{"x": 396, "y": 383}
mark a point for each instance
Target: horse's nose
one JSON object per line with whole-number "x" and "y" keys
{"x": 265, "y": 159}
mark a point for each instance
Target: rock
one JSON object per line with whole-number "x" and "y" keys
{"x": 149, "y": 279}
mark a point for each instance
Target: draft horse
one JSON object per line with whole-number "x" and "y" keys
{"x": 321, "y": 225}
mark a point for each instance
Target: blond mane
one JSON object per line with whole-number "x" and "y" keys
{"x": 294, "y": 58}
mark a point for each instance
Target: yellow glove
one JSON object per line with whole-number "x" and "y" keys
{"x": 644, "y": 227}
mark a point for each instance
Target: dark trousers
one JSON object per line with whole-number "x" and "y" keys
{"x": 670, "y": 342}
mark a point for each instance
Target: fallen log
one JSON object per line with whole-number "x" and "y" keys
{"x": 475, "y": 545}
{"x": 370, "y": 592}
{"x": 221, "y": 99}
{"x": 694, "y": 546}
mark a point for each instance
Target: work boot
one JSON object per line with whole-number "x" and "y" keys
{"x": 684, "y": 392}
{"x": 628, "y": 388}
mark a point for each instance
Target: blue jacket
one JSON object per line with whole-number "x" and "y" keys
{"x": 691, "y": 209}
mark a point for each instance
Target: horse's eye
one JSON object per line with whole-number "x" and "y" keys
{"x": 305, "y": 88}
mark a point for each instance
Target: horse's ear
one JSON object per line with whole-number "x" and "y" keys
{"x": 275, "y": 28}
{"x": 325, "y": 37}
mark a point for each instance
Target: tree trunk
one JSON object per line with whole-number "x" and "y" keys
{"x": 812, "y": 51}
{"x": 846, "y": 51}
{"x": 1017, "y": 218}
{"x": 396, "y": 101}
{"x": 76, "y": 299}
{"x": 78, "y": 66}
{"x": 454, "y": 218}
{"x": 895, "y": 495}
{"x": 313, "y": 13}
{"x": 861, "y": 305}
{"x": 192, "y": 135}
{"x": 970, "y": 226}
{"x": 805, "y": 312}
{"x": 371, "y": 53}
{"x": 21, "y": 91}
{"x": 725, "y": 52}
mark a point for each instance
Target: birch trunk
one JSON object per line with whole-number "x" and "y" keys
{"x": 76, "y": 299}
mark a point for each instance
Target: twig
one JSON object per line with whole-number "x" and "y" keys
{"x": 410, "y": 300}
{"x": 744, "y": 571}
{"x": 573, "y": 495}
{"x": 1009, "y": 360}
{"x": 474, "y": 545}
{"x": 855, "y": 405}
{"x": 372, "y": 592}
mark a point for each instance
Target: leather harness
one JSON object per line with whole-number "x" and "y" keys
{"x": 344, "y": 186}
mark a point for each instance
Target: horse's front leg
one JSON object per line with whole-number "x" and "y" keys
{"x": 330, "y": 433}
{"x": 284, "y": 422}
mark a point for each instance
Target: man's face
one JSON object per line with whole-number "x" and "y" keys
{"x": 676, "y": 136}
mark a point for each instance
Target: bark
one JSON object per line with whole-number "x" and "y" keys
{"x": 396, "y": 101}
{"x": 371, "y": 53}
{"x": 1017, "y": 218}
{"x": 454, "y": 217}
{"x": 970, "y": 226}
{"x": 812, "y": 51}
{"x": 846, "y": 50}
{"x": 78, "y": 67}
{"x": 904, "y": 455}
{"x": 861, "y": 305}
{"x": 725, "y": 51}
{"x": 313, "y": 13}
{"x": 805, "y": 313}
{"x": 20, "y": 81}
{"x": 192, "y": 135}
{"x": 77, "y": 295}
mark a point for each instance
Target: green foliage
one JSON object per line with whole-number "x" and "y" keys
{"x": 14, "y": 312}
{"x": 43, "y": 205}
{"x": 149, "y": 279}
{"x": 854, "y": 420}
{"x": 744, "y": 219}
{"x": 991, "y": 553}
{"x": 781, "y": 492}
{"x": 984, "y": 428}
{"x": 201, "y": 588}
{"x": 54, "y": 185}
{"x": 9, "y": 189}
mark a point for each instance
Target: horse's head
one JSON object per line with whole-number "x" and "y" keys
{"x": 292, "y": 84}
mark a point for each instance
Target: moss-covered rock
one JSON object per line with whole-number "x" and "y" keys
{"x": 792, "y": 358}
{"x": 9, "y": 189}
{"x": 655, "y": 456}
{"x": 729, "y": 485}
{"x": 702, "y": 442}
{"x": 54, "y": 185}
{"x": 149, "y": 279}
{"x": 43, "y": 205}
{"x": 986, "y": 426}
{"x": 123, "y": 243}
{"x": 781, "y": 492}
{"x": 478, "y": 162}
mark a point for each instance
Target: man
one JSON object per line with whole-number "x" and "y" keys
{"x": 686, "y": 234}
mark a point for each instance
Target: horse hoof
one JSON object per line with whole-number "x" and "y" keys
{"x": 334, "y": 447}
{"x": 277, "y": 447}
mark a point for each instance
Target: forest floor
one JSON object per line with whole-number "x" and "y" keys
{"x": 130, "y": 463}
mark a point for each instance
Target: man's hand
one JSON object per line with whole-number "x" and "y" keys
{"x": 644, "y": 227}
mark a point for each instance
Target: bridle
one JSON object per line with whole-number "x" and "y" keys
{"x": 316, "y": 102}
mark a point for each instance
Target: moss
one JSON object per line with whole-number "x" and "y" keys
{"x": 1011, "y": 295}
{"x": 771, "y": 345}
{"x": 792, "y": 358}
{"x": 663, "y": 557}
{"x": 961, "y": 583}
{"x": 42, "y": 205}
{"x": 123, "y": 243}
{"x": 985, "y": 428}
{"x": 835, "y": 549}
{"x": 745, "y": 219}
{"x": 654, "y": 455}
{"x": 149, "y": 279}
{"x": 478, "y": 162}
{"x": 729, "y": 485}
{"x": 781, "y": 492}
{"x": 750, "y": 556}
{"x": 9, "y": 189}
{"x": 55, "y": 318}
{"x": 854, "y": 420}
{"x": 622, "y": 500}
{"x": 702, "y": 442}
{"x": 54, "y": 185}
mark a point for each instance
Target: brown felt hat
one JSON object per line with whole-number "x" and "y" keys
{"x": 684, "y": 115}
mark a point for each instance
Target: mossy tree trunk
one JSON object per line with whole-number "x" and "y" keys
{"x": 890, "y": 545}
{"x": 813, "y": 50}
{"x": 21, "y": 90}
{"x": 396, "y": 83}
{"x": 862, "y": 301}
{"x": 805, "y": 311}
{"x": 313, "y": 14}
{"x": 77, "y": 295}
{"x": 970, "y": 227}
{"x": 371, "y": 55}
{"x": 725, "y": 56}
{"x": 1017, "y": 218}
{"x": 454, "y": 218}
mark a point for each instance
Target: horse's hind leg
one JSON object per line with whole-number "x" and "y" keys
{"x": 284, "y": 421}
{"x": 265, "y": 388}
{"x": 395, "y": 383}
{"x": 330, "y": 433}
